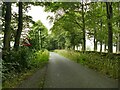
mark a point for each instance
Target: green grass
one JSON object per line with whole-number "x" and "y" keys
{"x": 102, "y": 63}
{"x": 17, "y": 79}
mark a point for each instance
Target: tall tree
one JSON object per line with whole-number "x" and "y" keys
{"x": 20, "y": 26}
{"x": 38, "y": 36}
{"x": 95, "y": 40}
{"x": 101, "y": 40}
{"x": 7, "y": 31}
{"x": 118, "y": 43}
{"x": 83, "y": 27}
{"x": 101, "y": 29}
{"x": 109, "y": 22}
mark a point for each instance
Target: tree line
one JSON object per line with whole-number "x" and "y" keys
{"x": 19, "y": 57}
{"x": 14, "y": 23}
{"x": 74, "y": 22}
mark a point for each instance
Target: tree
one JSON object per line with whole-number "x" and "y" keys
{"x": 68, "y": 31}
{"x": 79, "y": 20}
{"x": 83, "y": 27}
{"x": 109, "y": 22}
{"x": 38, "y": 36}
{"x": 118, "y": 41}
{"x": 7, "y": 31}
{"x": 20, "y": 26}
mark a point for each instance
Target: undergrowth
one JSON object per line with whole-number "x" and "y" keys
{"x": 20, "y": 64}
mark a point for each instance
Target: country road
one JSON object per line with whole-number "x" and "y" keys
{"x": 63, "y": 73}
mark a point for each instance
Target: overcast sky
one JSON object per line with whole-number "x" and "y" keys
{"x": 38, "y": 13}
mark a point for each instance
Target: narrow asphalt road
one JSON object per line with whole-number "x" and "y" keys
{"x": 34, "y": 81}
{"x": 63, "y": 73}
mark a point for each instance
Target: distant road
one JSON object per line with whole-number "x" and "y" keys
{"x": 63, "y": 73}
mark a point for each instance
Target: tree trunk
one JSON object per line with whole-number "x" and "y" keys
{"x": 7, "y": 31}
{"x": 95, "y": 40}
{"x": 105, "y": 47}
{"x": 40, "y": 39}
{"x": 100, "y": 46}
{"x": 101, "y": 25}
{"x": 83, "y": 28}
{"x": 58, "y": 44}
{"x": 118, "y": 44}
{"x": 20, "y": 26}
{"x": 77, "y": 47}
{"x": 109, "y": 22}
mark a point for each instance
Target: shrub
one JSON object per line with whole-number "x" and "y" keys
{"x": 15, "y": 62}
{"x": 39, "y": 58}
{"x": 24, "y": 59}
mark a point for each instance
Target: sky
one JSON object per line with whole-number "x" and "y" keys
{"x": 38, "y": 13}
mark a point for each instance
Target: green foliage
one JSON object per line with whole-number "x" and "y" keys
{"x": 38, "y": 58}
{"x": 17, "y": 62}
{"x": 38, "y": 36}
{"x": 100, "y": 62}
{"x": 52, "y": 42}
{"x": 13, "y": 64}
{"x": 70, "y": 20}
{"x": 67, "y": 31}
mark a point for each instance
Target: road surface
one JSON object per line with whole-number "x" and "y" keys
{"x": 63, "y": 73}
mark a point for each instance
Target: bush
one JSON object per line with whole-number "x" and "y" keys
{"x": 15, "y": 62}
{"x": 39, "y": 58}
{"x": 24, "y": 59}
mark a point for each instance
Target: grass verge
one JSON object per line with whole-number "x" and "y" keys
{"x": 102, "y": 63}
